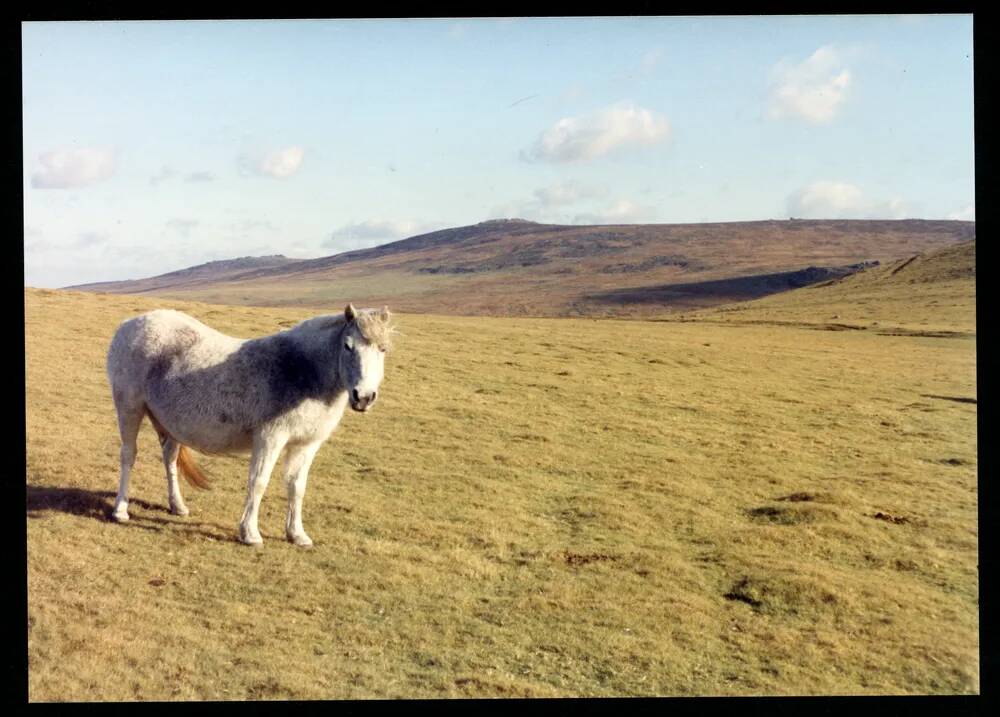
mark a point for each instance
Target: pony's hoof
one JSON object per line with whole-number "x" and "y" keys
{"x": 302, "y": 540}
{"x": 120, "y": 516}
{"x": 179, "y": 510}
{"x": 248, "y": 539}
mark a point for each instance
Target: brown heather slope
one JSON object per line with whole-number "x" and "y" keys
{"x": 932, "y": 294}
{"x": 202, "y": 273}
{"x": 520, "y": 268}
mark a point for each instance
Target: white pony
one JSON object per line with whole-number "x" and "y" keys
{"x": 219, "y": 394}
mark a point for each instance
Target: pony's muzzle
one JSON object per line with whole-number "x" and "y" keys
{"x": 362, "y": 403}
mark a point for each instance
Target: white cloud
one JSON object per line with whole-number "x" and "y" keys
{"x": 965, "y": 214}
{"x": 570, "y": 202}
{"x": 280, "y": 164}
{"x": 573, "y": 139}
{"x": 371, "y": 232}
{"x": 562, "y": 193}
{"x": 841, "y": 200}
{"x": 813, "y": 89}
{"x": 283, "y": 163}
{"x": 622, "y": 211}
{"x": 548, "y": 204}
{"x": 69, "y": 168}
{"x": 165, "y": 172}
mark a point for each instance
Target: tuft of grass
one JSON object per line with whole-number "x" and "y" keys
{"x": 535, "y": 508}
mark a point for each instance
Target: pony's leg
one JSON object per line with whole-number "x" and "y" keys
{"x": 266, "y": 449}
{"x": 296, "y": 472}
{"x": 129, "y": 420}
{"x": 171, "y": 449}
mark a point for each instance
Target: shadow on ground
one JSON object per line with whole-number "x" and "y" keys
{"x": 741, "y": 288}
{"x": 75, "y": 501}
{"x": 98, "y": 504}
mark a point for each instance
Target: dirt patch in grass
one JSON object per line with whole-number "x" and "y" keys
{"x": 889, "y": 518}
{"x": 954, "y": 461}
{"x": 577, "y": 559}
{"x": 790, "y": 514}
{"x": 485, "y": 688}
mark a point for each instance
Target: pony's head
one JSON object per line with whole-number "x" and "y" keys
{"x": 364, "y": 341}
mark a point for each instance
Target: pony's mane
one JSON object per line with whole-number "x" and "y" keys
{"x": 370, "y": 323}
{"x": 375, "y": 329}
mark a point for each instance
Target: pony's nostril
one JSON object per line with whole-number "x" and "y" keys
{"x": 374, "y": 396}
{"x": 354, "y": 395}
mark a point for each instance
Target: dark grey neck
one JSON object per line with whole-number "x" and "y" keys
{"x": 301, "y": 365}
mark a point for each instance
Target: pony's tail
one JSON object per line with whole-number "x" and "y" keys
{"x": 190, "y": 470}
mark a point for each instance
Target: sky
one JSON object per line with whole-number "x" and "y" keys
{"x": 155, "y": 145}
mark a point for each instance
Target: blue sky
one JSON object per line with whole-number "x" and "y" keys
{"x": 151, "y": 146}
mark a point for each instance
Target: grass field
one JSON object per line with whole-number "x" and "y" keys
{"x": 536, "y": 507}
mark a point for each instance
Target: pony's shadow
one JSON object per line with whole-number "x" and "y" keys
{"x": 98, "y": 504}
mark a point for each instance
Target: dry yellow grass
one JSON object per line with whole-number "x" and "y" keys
{"x": 535, "y": 508}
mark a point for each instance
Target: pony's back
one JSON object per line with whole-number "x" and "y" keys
{"x": 159, "y": 334}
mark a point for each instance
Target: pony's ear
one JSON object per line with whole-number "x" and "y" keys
{"x": 383, "y": 315}
{"x": 350, "y": 313}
